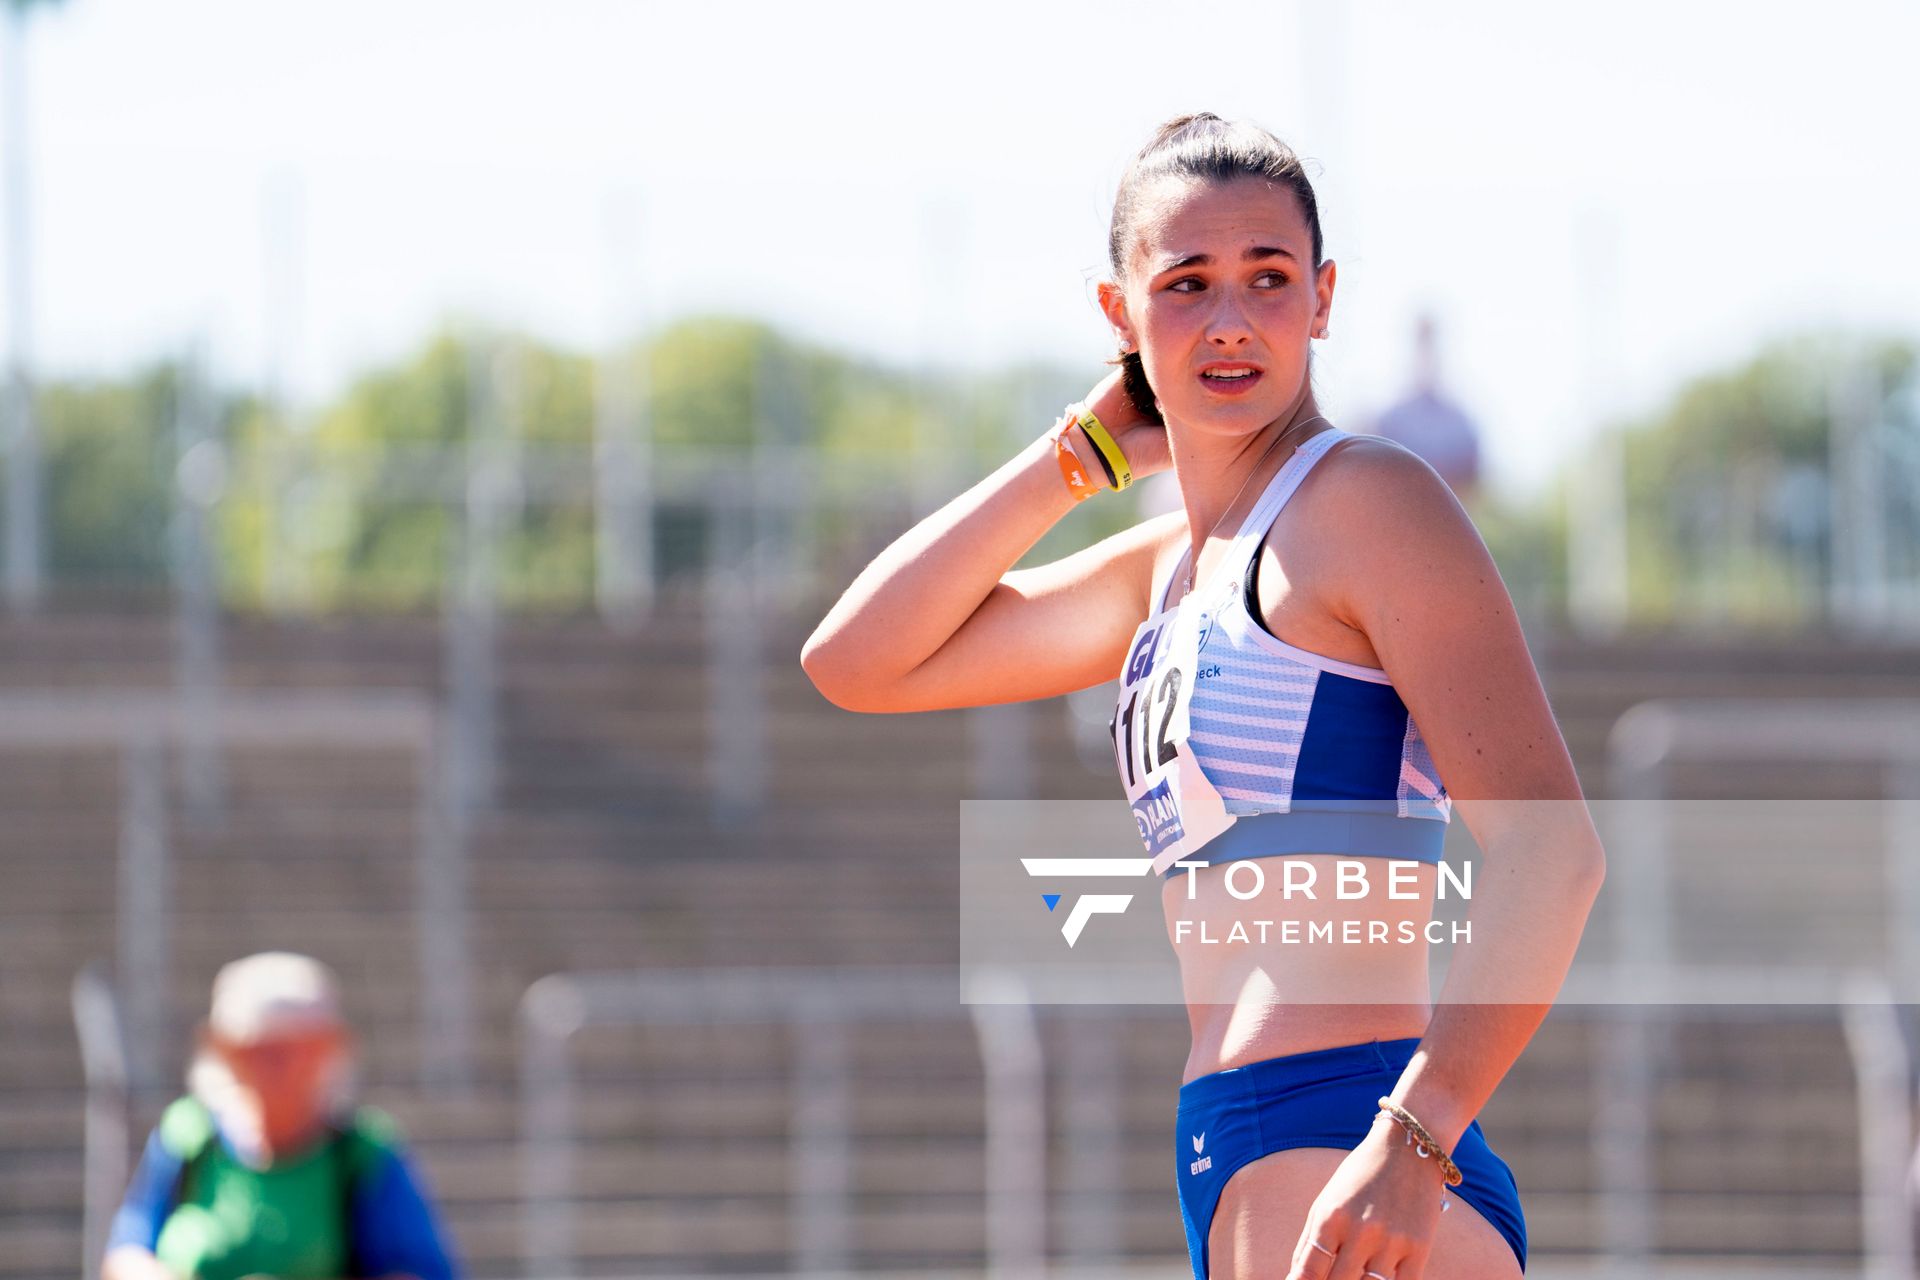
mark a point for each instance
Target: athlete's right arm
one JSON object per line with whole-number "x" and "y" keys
{"x": 941, "y": 619}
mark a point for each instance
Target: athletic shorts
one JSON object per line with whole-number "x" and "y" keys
{"x": 1320, "y": 1098}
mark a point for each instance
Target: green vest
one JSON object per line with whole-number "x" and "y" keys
{"x": 291, "y": 1220}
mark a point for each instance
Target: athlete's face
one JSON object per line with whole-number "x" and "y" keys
{"x": 1222, "y": 273}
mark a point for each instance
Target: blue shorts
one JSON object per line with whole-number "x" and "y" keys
{"x": 1321, "y": 1098}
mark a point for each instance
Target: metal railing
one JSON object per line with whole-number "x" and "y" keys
{"x": 1883, "y": 1072}
{"x": 103, "y": 1063}
{"x": 818, "y": 1007}
{"x": 144, "y": 724}
{"x": 1645, "y": 741}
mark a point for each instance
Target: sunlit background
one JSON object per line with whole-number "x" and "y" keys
{"x": 431, "y": 429}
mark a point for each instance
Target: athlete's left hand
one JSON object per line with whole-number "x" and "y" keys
{"x": 1378, "y": 1213}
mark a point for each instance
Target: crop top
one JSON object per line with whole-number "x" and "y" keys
{"x": 1267, "y": 749}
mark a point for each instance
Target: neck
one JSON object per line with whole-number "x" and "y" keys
{"x": 295, "y": 1139}
{"x": 1219, "y": 476}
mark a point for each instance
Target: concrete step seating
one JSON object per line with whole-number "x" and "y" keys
{"x": 604, "y": 853}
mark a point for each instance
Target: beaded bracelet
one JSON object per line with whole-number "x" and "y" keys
{"x": 1418, "y": 1135}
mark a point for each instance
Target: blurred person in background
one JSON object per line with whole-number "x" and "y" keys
{"x": 1432, "y": 425}
{"x": 1329, "y": 1102}
{"x": 265, "y": 1168}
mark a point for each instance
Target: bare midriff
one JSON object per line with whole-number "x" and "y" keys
{"x": 1251, "y": 997}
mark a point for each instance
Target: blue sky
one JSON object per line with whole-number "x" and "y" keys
{"x": 1598, "y": 202}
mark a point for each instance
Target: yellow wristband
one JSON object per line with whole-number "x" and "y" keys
{"x": 1118, "y": 469}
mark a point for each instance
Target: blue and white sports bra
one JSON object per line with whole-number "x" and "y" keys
{"x": 1234, "y": 744}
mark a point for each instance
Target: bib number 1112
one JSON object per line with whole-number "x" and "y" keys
{"x": 1151, "y": 749}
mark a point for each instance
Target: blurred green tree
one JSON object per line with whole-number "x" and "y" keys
{"x": 365, "y": 500}
{"x": 109, "y": 463}
{"x": 1727, "y": 495}
{"x": 373, "y": 510}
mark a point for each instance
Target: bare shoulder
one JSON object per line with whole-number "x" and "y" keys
{"x": 1384, "y": 531}
{"x": 1372, "y": 483}
{"x": 1399, "y": 561}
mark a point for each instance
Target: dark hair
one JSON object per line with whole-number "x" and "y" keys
{"x": 1206, "y": 148}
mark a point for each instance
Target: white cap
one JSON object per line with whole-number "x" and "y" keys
{"x": 273, "y": 993}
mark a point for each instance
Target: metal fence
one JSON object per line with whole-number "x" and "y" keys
{"x": 143, "y": 725}
{"x": 817, "y": 1008}
{"x": 1646, "y": 979}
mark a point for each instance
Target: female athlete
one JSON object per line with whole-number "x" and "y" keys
{"x": 1297, "y": 691}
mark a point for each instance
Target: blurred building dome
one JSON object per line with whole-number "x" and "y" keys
{"x": 1429, "y": 423}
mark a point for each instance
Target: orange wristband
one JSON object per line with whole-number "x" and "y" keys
{"x": 1079, "y": 483}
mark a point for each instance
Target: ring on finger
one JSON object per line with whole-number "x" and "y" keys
{"x": 1375, "y": 1275}
{"x": 1322, "y": 1248}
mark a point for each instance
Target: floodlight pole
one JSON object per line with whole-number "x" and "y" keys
{"x": 23, "y": 554}
{"x": 1856, "y": 465}
{"x": 199, "y": 482}
{"x": 623, "y": 569}
{"x": 473, "y": 606}
{"x": 283, "y": 570}
{"x": 1598, "y": 594}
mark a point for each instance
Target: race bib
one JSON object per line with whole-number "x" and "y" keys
{"x": 1174, "y": 804}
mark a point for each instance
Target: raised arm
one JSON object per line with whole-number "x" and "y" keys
{"x": 941, "y": 619}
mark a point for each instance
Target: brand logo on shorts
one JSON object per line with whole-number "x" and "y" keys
{"x": 1088, "y": 905}
{"x": 1204, "y": 1163}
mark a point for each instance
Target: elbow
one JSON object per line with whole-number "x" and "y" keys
{"x": 832, "y": 678}
{"x": 818, "y": 669}
{"x": 1589, "y": 867}
{"x": 1571, "y": 863}
{"x": 1579, "y": 857}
